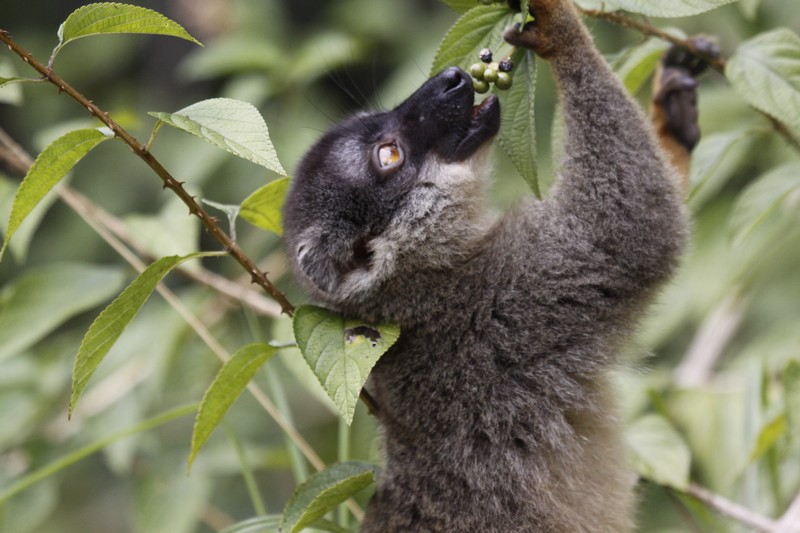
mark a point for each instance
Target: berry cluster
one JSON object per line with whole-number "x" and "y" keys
{"x": 487, "y": 72}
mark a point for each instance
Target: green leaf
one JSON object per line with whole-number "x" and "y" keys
{"x": 232, "y": 125}
{"x": 110, "y": 324}
{"x": 323, "y": 491}
{"x": 341, "y": 352}
{"x": 181, "y": 238}
{"x": 749, "y": 8}
{"x": 263, "y": 208}
{"x": 594, "y": 4}
{"x": 639, "y": 62}
{"x": 517, "y": 122}
{"x": 462, "y": 6}
{"x": 767, "y": 437}
{"x": 668, "y": 9}
{"x": 51, "y": 165}
{"x": 308, "y": 63}
{"x": 765, "y": 71}
{"x": 11, "y": 92}
{"x": 480, "y": 27}
{"x": 259, "y": 524}
{"x": 17, "y": 79}
{"x": 166, "y": 500}
{"x": 232, "y": 55}
{"x": 38, "y": 301}
{"x": 19, "y": 245}
{"x": 271, "y": 524}
{"x": 483, "y": 27}
{"x": 762, "y": 198}
{"x": 228, "y": 384}
{"x": 709, "y": 157}
{"x": 658, "y": 452}
{"x": 329, "y": 526}
{"x": 109, "y": 17}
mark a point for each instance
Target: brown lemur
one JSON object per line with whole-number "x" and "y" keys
{"x": 495, "y": 403}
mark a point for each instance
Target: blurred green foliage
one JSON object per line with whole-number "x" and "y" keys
{"x": 717, "y": 358}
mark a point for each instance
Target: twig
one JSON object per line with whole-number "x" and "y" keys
{"x": 205, "y": 335}
{"x": 224, "y": 286}
{"x": 256, "y": 275}
{"x": 708, "y": 344}
{"x": 215, "y": 346}
{"x": 210, "y": 223}
{"x": 790, "y": 521}
{"x": 21, "y": 161}
{"x": 731, "y": 509}
{"x": 717, "y": 63}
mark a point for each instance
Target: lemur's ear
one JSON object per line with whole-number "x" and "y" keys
{"x": 327, "y": 260}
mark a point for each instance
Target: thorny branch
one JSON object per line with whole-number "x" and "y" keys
{"x": 209, "y": 222}
{"x": 256, "y": 275}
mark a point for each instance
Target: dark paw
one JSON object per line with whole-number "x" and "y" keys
{"x": 677, "y": 96}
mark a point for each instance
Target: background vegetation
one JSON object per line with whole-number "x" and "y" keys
{"x": 718, "y": 360}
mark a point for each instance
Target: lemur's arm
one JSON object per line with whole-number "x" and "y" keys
{"x": 614, "y": 226}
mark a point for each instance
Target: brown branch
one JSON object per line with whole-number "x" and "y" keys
{"x": 716, "y": 62}
{"x": 20, "y": 161}
{"x": 256, "y": 275}
{"x": 221, "y": 285}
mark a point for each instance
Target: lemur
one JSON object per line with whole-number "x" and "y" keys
{"x": 496, "y": 406}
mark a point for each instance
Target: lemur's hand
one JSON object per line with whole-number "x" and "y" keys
{"x": 674, "y": 105}
{"x": 556, "y": 28}
{"x": 674, "y": 89}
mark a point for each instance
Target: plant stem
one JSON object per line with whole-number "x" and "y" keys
{"x": 717, "y": 63}
{"x": 731, "y": 509}
{"x": 247, "y": 472}
{"x": 343, "y": 454}
{"x": 299, "y": 466}
{"x": 209, "y": 222}
{"x": 72, "y": 458}
{"x": 197, "y": 326}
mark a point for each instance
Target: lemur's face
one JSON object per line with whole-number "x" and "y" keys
{"x": 384, "y": 185}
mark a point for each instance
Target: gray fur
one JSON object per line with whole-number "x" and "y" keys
{"x": 496, "y": 407}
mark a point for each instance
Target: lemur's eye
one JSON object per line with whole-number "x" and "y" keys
{"x": 388, "y": 157}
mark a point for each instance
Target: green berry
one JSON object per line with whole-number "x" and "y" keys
{"x": 506, "y": 65}
{"x": 486, "y": 55}
{"x": 503, "y": 81}
{"x": 490, "y": 75}
{"x": 477, "y": 70}
{"x": 480, "y": 86}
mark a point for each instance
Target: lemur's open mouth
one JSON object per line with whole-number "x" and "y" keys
{"x": 482, "y": 106}
{"x": 483, "y": 124}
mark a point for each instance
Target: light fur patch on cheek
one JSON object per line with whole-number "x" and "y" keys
{"x": 382, "y": 266}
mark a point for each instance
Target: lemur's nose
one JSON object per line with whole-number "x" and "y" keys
{"x": 454, "y": 79}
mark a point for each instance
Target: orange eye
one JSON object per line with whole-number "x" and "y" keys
{"x": 388, "y": 156}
